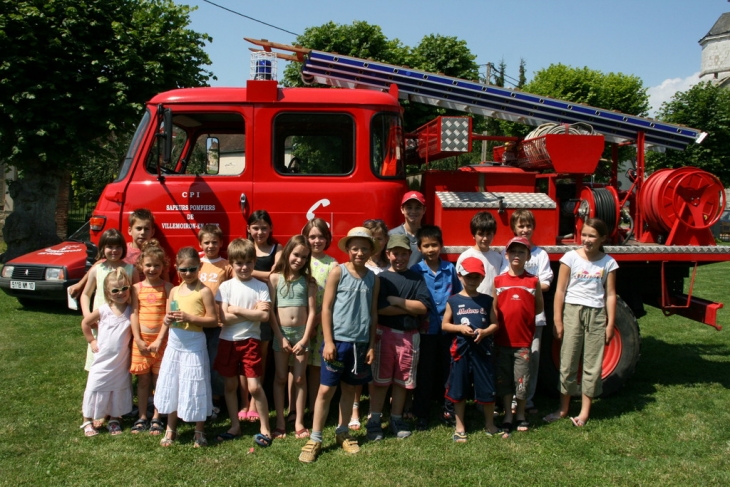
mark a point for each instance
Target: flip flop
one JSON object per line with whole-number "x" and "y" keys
{"x": 262, "y": 440}
{"x": 552, "y": 417}
{"x": 507, "y": 427}
{"x": 460, "y": 437}
{"x": 354, "y": 424}
{"x": 252, "y": 417}
{"x": 302, "y": 433}
{"x": 227, "y": 436}
{"x": 578, "y": 422}
{"x": 278, "y": 433}
{"x": 523, "y": 425}
{"x": 243, "y": 415}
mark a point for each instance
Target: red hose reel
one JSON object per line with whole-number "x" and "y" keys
{"x": 684, "y": 203}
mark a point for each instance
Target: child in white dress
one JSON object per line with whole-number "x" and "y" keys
{"x": 109, "y": 387}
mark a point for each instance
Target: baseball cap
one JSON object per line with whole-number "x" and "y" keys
{"x": 471, "y": 265}
{"x": 413, "y": 195}
{"x": 519, "y": 240}
{"x": 360, "y": 232}
{"x": 398, "y": 240}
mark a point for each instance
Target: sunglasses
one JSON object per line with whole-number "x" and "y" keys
{"x": 118, "y": 290}
{"x": 187, "y": 269}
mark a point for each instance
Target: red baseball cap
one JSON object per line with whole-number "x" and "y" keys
{"x": 519, "y": 240}
{"x": 471, "y": 265}
{"x": 413, "y": 195}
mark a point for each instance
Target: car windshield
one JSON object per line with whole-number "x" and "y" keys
{"x": 82, "y": 234}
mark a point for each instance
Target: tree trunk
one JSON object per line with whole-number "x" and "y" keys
{"x": 32, "y": 224}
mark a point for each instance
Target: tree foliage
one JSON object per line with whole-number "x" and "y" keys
{"x": 704, "y": 106}
{"x": 72, "y": 71}
{"x": 434, "y": 53}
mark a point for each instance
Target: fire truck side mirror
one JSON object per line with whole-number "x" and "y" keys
{"x": 213, "y": 155}
{"x": 167, "y": 136}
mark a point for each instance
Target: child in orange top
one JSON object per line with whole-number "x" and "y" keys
{"x": 149, "y": 299}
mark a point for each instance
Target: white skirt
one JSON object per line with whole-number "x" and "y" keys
{"x": 183, "y": 384}
{"x": 99, "y": 404}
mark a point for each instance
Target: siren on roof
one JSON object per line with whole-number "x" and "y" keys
{"x": 263, "y": 66}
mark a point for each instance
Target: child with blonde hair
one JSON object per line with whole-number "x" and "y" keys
{"x": 294, "y": 294}
{"x": 108, "y": 388}
{"x": 183, "y": 386}
{"x": 149, "y": 301}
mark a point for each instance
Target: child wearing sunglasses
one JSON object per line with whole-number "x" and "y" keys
{"x": 108, "y": 388}
{"x": 183, "y": 385}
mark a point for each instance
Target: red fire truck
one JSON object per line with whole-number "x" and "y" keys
{"x": 214, "y": 155}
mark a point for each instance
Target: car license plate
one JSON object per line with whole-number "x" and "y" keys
{"x": 25, "y": 285}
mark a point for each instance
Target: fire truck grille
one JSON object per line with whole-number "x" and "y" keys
{"x": 29, "y": 273}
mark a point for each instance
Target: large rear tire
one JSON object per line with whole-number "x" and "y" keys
{"x": 620, "y": 357}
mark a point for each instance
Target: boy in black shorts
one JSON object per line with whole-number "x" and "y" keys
{"x": 469, "y": 315}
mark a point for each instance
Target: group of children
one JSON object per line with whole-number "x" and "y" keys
{"x": 413, "y": 329}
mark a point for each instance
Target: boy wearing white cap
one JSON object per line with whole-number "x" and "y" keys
{"x": 349, "y": 318}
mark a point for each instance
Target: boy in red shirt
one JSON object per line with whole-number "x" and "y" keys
{"x": 518, "y": 298}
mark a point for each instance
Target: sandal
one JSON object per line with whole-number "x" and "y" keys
{"x": 460, "y": 437}
{"x": 89, "y": 429}
{"x": 278, "y": 433}
{"x": 354, "y": 424}
{"x": 552, "y": 417}
{"x": 243, "y": 415}
{"x": 139, "y": 426}
{"x": 301, "y": 434}
{"x": 169, "y": 438}
{"x": 262, "y": 440}
{"x": 156, "y": 427}
{"x": 114, "y": 427}
{"x": 252, "y": 417}
{"x": 523, "y": 425}
{"x": 200, "y": 441}
{"x": 98, "y": 424}
{"x": 499, "y": 433}
{"x": 578, "y": 422}
{"x": 227, "y": 436}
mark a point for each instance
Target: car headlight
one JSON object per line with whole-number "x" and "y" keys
{"x": 55, "y": 274}
{"x": 8, "y": 271}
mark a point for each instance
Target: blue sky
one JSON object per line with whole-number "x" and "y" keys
{"x": 656, "y": 40}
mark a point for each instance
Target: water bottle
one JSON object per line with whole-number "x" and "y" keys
{"x": 174, "y": 307}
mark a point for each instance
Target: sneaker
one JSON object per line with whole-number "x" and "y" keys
{"x": 310, "y": 451}
{"x": 399, "y": 428}
{"x": 375, "y": 431}
{"x": 348, "y": 443}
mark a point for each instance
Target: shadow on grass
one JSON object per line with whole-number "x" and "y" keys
{"x": 666, "y": 364}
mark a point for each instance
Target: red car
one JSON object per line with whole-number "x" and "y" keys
{"x": 47, "y": 273}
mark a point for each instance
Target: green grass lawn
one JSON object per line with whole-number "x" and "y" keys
{"x": 669, "y": 426}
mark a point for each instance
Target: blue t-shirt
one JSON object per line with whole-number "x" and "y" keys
{"x": 441, "y": 285}
{"x": 474, "y": 312}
